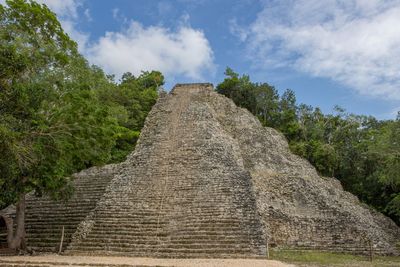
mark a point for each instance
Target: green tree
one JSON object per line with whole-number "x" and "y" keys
{"x": 288, "y": 122}
{"x": 239, "y": 89}
{"x": 130, "y": 101}
{"x": 384, "y": 148}
{"x": 267, "y": 104}
{"x": 51, "y": 120}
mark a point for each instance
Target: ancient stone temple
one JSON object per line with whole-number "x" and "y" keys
{"x": 206, "y": 180}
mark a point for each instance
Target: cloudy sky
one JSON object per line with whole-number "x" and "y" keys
{"x": 344, "y": 52}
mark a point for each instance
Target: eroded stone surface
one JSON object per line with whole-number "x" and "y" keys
{"x": 299, "y": 208}
{"x": 207, "y": 180}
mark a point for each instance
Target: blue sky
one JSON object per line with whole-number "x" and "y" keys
{"x": 332, "y": 52}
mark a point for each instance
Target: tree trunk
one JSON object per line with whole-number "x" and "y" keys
{"x": 17, "y": 240}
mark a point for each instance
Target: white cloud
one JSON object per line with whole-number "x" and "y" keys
{"x": 87, "y": 15}
{"x": 63, "y": 8}
{"x": 67, "y": 13}
{"x": 395, "y": 112}
{"x": 354, "y": 42}
{"x": 80, "y": 37}
{"x": 237, "y": 31}
{"x": 185, "y": 51}
{"x": 60, "y": 7}
{"x": 115, "y": 13}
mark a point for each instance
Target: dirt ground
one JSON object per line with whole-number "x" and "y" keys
{"x": 115, "y": 261}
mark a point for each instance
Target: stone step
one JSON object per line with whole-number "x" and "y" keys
{"x": 50, "y": 238}
{"x": 61, "y": 209}
{"x": 93, "y": 183}
{"x": 163, "y": 236}
{"x": 200, "y": 237}
{"x": 194, "y": 215}
{"x": 65, "y": 211}
{"x": 80, "y": 191}
{"x": 120, "y": 246}
{"x": 167, "y": 241}
{"x": 55, "y": 211}
{"x": 52, "y": 248}
{"x": 82, "y": 211}
{"x": 50, "y": 234}
{"x": 78, "y": 203}
{"x": 90, "y": 194}
{"x": 141, "y": 231}
{"x": 32, "y": 235}
{"x": 43, "y": 247}
{"x": 131, "y": 226}
{"x": 57, "y": 224}
{"x": 39, "y": 233}
{"x": 54, "y": 217}
{"x": 132, "y": 251}
{"x": 162, "y": 221}
{"x": 175, "y": 231}
{"x": 157, "y": 254}
{"x": 74, "y": 200}
{"x": 83, "y": 192}
{"x": 7, "y": 252}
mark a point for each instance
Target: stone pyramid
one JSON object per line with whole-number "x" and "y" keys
{"x": 207, "y": 180}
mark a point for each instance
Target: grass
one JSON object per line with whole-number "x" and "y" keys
{"x": 317, "y": 258}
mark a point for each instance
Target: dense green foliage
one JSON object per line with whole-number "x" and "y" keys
{"x": 58, "y": 114}
{"x": 361, "y": 151}
{"x": 129, "y": 102}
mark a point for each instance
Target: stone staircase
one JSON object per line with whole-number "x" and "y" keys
{"x": 45, "y": 218}
{"x": 175, "y": 197}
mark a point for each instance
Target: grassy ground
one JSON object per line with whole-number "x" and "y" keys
{"x": 315, "y": 258}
